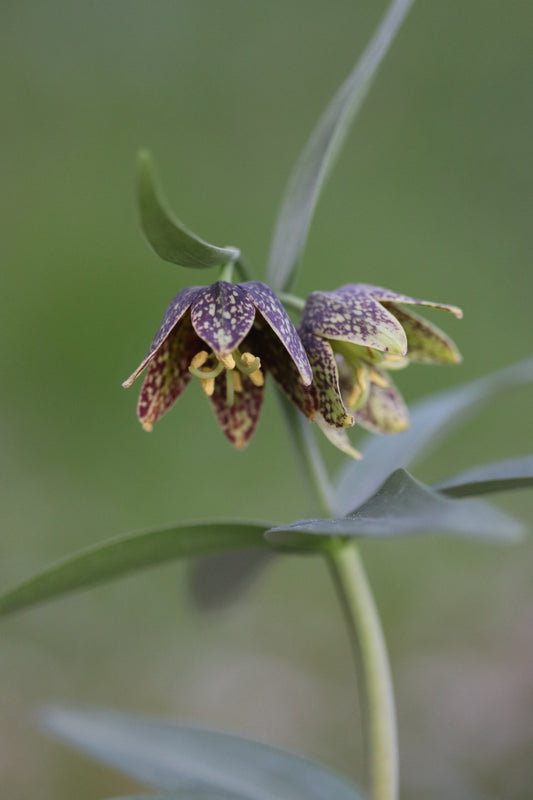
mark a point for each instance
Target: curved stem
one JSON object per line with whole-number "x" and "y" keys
{"x": 374, "y": 676}
{"x": 291, "y": 300}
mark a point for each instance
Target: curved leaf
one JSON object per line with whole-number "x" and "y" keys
{"x": 320, "y": 152}
{"x": 124, "y": 554}
{"x": 172, "y": 756}
{"x": 170, "y": 239}
{"x": 188, "y": 794}
{"x": 499, "y": 476}
{"x": 403, "y": 505}
{"x": 431, "y": 418}
{"x": 218, "y": 579}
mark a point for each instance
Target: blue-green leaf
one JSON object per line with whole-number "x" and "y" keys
{"x": 187, "y": 794}
{"x": 403, "y": 505}
{"x": 170, "y": 239}
{"x": 117, "y": 557}
{"x": 499, "y": 476}
{"x": 431, "y": 418}
{"x": 320, "y": 152}
{"x": 172, "y": 756}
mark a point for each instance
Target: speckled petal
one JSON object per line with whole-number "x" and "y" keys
{"x": 274, "y": 356}
{"x": 175, "y": 311}
{"x": 386, "y": 296}
{"x": 354, "y": 317}
{"x": 222, "y": 315}
{"x": 426, "y": 344}
{"x": 168, "y": 374}
{"x": 326, "y": 380}
{"x": 280, "y": 322}
{"x": 385, "y": 410}
{"x": 338, "y": 438}
{"x": 239, "y": 421}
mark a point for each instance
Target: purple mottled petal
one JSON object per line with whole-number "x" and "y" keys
{"x": 175, "y": 311}
{"x": 239, "y": 421}
{"x": 274, "y": 356}
{"x": 386, "y": 296}
{"x": 384, "y": 410}
{"x": 426, "y": 344}
{"x": 326, "y": 380}
{"x": 338, "y": 437}
{"x": 168, "y": 374}
{"x": 222, "y": 315}
{"x": 280, "y": 322}
{"x": 354, "y": 317}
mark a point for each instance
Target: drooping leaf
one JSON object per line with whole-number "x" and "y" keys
{"x": 170, "y": 239}
{"x": 188, "y": 794}
{"x": 119, "y": 556}
{"x": 319, "y": 154}
{"x": 402, "y": 506}
{"x": 431, "y": 418}
{"x": 499, "y": 476}
{"x": 172, "y": 756}
{"x": 218, "y": 579}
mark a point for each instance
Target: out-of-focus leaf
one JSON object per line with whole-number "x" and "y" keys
{"x": 403, "y": 505}
{"x": 320, "y": 152}
{"x": 172, "y": 756}
{"x": 119, "y": 556}
{"x": 188, "y": 794}
{"x": 499, "y": 476}
{"x": 431, "y": 418}
{"x": 216, "y": 580}
{"x": 170, "y": 239}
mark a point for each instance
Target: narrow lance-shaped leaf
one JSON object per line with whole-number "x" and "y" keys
{"x": 320, "y": 152}
{"x": 499, "y": 476}
{"x": 170, "y": 239}
{"x": 120, "y": 556}
{"x": 431, "y": 418}
{"x": 172, "y": 756}
{"x": 403, "y": 505}
{"x": 187, "y": 794}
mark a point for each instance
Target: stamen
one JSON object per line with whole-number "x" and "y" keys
{"x": 230, "y": 388}
{"x": 362, "y": 378}
{"x": 199, "y": 359}
{"x": 247, "y": 363}
{"x": 208, "y": 385}
{"x": 237, "y": 382}
{"x": 257, "y": 377}
{"x": 355, "y": 394}
{"x": 205, "y": 372}
{"x": 378, "y": 379}
{"x": 228, "y": 361}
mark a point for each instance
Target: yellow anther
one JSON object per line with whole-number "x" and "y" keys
{"x": 355, "y": 394}
{"x": 199, "y": 359}
{"x": 248, "y": 359}
{"x": 378, "y": 379}
{"x": 257, "y": 378}
{"x": 228, "y": 361}
{"x": 362, "y": 378}
{"x": 208, "y": 385}
{"x": 237, "y": 383}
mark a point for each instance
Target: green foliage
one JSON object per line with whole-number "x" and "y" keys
{"x": 499, "y": 476}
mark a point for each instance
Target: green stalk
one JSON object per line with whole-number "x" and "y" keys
{"x": 363, "y": 623}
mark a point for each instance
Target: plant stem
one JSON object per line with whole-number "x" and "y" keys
{"x": 362, "y": 619}
{"x": 291, "y": 300}
{"x": 375, "y": 682}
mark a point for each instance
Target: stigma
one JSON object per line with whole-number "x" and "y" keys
{"x": 208, "y": 366}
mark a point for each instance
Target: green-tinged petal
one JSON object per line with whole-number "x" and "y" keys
{"x": 122, "y": 555}
{"x": 168, "y": 374}
{"x": 384, "y": 410}
{"x": 326, "y": 380}
{"x": 338, "y": 438}
{"x": 426, "y": 344}
{"x": 174, "y": 756}
{"x": 354, "y": 317}
{"x": 431, "y": 419}
{"x": 403, "y": 506}
{"x": 170, "y": 239}
{"x": 239, "y": 420}
{"x": 499, "y": 476}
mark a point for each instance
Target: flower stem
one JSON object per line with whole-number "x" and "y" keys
{"x": 375, "y": 682}
{"x": 362, "y": 619}
{"x": 291, "y": 300}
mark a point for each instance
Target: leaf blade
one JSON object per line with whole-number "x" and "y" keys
{"x": 498, "y": 476}
{"x": 172, "y": 756}
{"x": 122, "y": 555}
{"x": 431, "y": 417}
{"x": 402, "y": 506}
{"x": 167, "y": 236}
{"x": 319, "y": 154}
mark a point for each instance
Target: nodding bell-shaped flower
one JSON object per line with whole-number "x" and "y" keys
{"x": 227, "y": 336}
{"x": 354, "y": 336}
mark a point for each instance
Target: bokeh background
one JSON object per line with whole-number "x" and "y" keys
{"x": 431, "y": 197}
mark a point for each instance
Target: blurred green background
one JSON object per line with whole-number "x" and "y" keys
{"x": 431, "y": 197}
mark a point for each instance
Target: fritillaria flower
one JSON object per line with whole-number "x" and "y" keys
{"x": 227, "y": 336}
{"x": 354, "y": 336}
